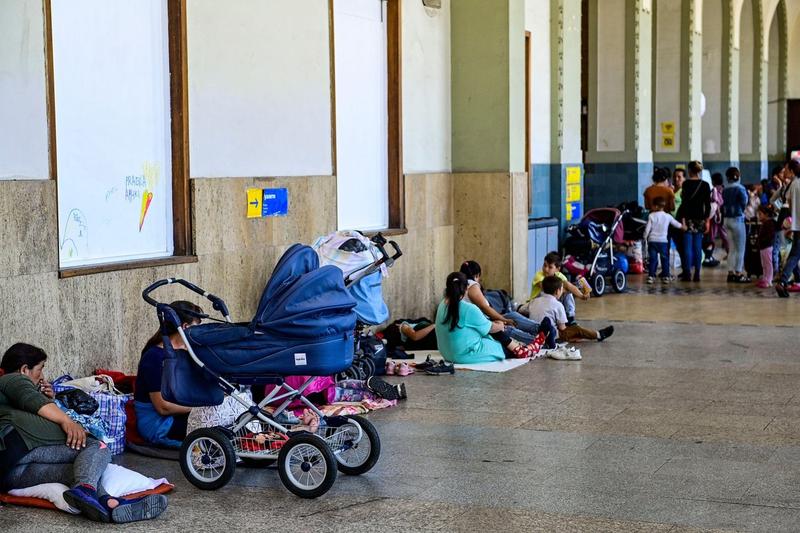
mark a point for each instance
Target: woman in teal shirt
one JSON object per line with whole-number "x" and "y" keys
{"x": 467, "y": 336}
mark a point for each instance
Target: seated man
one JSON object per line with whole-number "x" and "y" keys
{"x": 40, "y": 444}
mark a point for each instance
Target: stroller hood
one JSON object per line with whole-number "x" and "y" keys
{"x": 304, "y": 324}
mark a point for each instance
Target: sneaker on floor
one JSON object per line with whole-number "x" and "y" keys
{"x": 794, "y": 287}
{"x": 383, "y": 389}
{"x": 441, "y": 368}
{"x": 559, "y": 354}
{"x": 650, "y": 280}
{"x": 666, "y": 280}
{"x": 426, "y": 364}
{"x": 145, "y": 508}
{"x": 763, "y": 284}
{"x": 605, "y": 333}
{"x": 573, "y": 354}
{"x": 86, "y": 501}
{"x": 403, "y": 369}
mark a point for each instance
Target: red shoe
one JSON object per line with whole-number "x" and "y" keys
{"x": 794, "y": 287}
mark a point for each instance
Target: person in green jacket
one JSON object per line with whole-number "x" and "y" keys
{"x": 39, "y": 444}
{"x": 467, "y": 336}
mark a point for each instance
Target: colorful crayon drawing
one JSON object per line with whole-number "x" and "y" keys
{"x": 151, "y": 174}
{"x": 147, "y": 197}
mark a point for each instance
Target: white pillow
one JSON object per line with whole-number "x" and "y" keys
{"x": 119, "y": 481}
{"x": 52, "y": 492}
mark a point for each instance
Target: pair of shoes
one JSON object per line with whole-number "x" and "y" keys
{"x": 650, "y": 280}
{"x": 398, "y": 369}
{"x": 781, "y": 289}
{"x": 385, "y": 390}
{"x": 135, "y": 510}
{"x": 426, "y": 364}
{"x": 565, "y": 354}
{"x": 440, "y": 368}
{"x": 605, "y": 333}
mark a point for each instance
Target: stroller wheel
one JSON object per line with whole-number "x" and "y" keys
{"x": 369, "y": 366}
{"x": 307, "y": 466}
{"x": 598, "y": 285}
{"x": 620, "y": 281}
{"x": 355, "y": 458}
{"x": 207, "y": 458}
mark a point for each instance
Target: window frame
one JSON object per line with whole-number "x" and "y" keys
{"x": 394, "y": 108}
{"x": 179, "y": 133}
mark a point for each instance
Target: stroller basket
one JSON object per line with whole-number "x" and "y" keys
{"x": 258, "y": 440}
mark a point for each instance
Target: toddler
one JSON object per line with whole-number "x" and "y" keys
{"x": 766, "y": 240}
{"x": 656, "y": 235}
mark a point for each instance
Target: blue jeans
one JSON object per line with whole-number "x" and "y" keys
{"x": 654, "y": 251}
{"x": 523, "y": 323}
{"x": 693, "y": 250}
{"x": 736, "y": 237}
{"x": 793, "y": 259}
{"x": 551, "y": 333}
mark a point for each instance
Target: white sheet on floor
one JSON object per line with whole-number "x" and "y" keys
{"x": 496, "y": 366}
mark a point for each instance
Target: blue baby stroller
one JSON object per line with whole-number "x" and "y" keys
{"x": 303, "y": 326}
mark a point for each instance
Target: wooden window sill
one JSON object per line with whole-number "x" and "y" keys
{"x": 388, "y": 232}
{"x": 126, "y": 265}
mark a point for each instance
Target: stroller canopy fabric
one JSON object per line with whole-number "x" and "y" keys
{"x": 351, "y": 251}
{"x": 303, "y": 326}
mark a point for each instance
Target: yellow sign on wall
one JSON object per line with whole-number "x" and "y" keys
{"x": 667, "y": 140}
{"x": 574, "y": 192}
{"x": 574, "y": 175}
{"x": 668, "y": 127}
{"x": 254, "y": 199}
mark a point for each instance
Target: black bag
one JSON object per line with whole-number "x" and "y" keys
{"x": 79, "y": 401}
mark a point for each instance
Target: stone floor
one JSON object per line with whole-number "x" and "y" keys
{"x": 687, "y": 419}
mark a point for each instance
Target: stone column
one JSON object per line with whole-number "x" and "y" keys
{"x": 619, "y": 157}
{"x": 488, "y": 111}
{"x": 565, "y": 126}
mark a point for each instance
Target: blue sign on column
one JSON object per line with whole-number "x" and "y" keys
{"x": 275, "y": 203}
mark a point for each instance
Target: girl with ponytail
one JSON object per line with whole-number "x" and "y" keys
{"x": 467, "y": 336}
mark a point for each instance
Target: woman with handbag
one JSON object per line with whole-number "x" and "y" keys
{"x": 39, "y": 444}
{"x": 694, "y": 213}
{"x": 160, "y": 422}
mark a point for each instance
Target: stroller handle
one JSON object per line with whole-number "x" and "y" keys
{"x": 216, "y": 302}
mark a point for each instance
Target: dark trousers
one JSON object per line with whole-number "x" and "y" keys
{"x": 654, "y": 251}
{"x": 550, "y": 331}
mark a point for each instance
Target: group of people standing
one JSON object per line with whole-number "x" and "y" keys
{"x": 694, "y": 214}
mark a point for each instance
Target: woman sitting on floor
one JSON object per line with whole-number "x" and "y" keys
{"x": 466, "y": 336}
{"x": 39, "y": 444}
{"x": 160, "y": 422}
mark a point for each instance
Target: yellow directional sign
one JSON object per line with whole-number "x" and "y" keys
{"x": 254, "y": 198}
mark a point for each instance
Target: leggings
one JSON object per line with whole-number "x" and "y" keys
{"x": 60, "y": 464}
{"x": 353, "y": 390}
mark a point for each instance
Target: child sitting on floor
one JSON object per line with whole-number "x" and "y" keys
{"x": 552, "y": 318}
{"x": 552, "y": 267}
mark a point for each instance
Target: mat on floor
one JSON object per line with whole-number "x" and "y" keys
{"x": 496, "y": 366}
{"x": 41, "y": 503}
